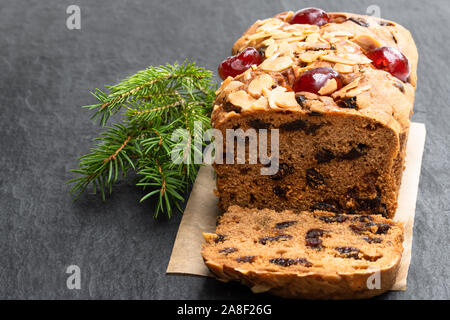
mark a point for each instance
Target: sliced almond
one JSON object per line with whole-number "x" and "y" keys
{"x": 312, "y": 38}
{"x": 260, "y": 104}
{"x": 276, "y": 64}
{"x": 241, "y": 99}
{"x": 310, "y": 56}
{"x": 296, "y": 38}
{"x": 271, "y": 49}
{"x": 279, "y": 98}
{"x": 269, "y": 25}
{"x": 286, "y": 49}
{"x": 288, "y": 16}
{"x": 261, "y": 82}
{"x": 349, "y": 59}
{"x": 224, "y": 84}
{"x": 357, "y": 91}
{"x": 340, "y": 33}
{"x": 257, "y": 36}
{"x": 343, "y": 91}
{"x": 343, "y": 68}
{"x": 367, "y": 42}
{"x": 329, "y": 87}
{"x": 233, "y": 85}
{"x": 286, "y": 100}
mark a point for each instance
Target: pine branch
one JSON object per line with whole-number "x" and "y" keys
{"x": 154, "y": 103}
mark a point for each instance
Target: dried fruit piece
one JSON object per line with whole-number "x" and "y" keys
{"x": 310, "y": 16}
{"x": 220, "y": 238}
{"x": 313, "y": 80}
{"x": 348, "y": 252}
{"x": 259, "y": 124}
{"x": 235, "y": 65}
{"x": 227, "y": 251}
{"x": 324, "y": 156}
{"x": 358, "y": 229}
{"x": 285, "y": 224}
{"x": 294, "y": 125}
{"x": 333, "y": 219}
{"x": 286, "y": 262}
{"x": 274, "y": 238}
{"x": 326, "y": 206}
{"x": 315, "y": 233}
{"x": 355, "y": 152}
{"x": 246, "y": 259}
{"x": 372, "y": 240}
{"x": 313, "y": 178}
{"x": 383, "y": 228}
{"x": 284, "y": 169}
{"x": 279, "y": 191}
{"x": 300, "y": 100}
{"x": 349, "y": 103}
{"x": 391, "y": 60}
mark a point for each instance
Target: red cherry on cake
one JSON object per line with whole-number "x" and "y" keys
{"x": 391, "y": 60}
{"x": 310, "y": 16}
{"x": 235, "y": 65}
{"x": 314, "y": 79}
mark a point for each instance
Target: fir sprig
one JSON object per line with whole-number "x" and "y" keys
{"x": 154, "y": 103}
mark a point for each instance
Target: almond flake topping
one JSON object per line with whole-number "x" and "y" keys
{"x": 329, "y": 87}
{"x": 279, "y": 98}
{"x": 343, "y": 68}
{"x": 233, "y": 85}
{"x": 350, "y": 59}
{"x": 241, "y": 99}
{"x": 357, "y": 91}
{"x": 310, "y": 56}
{"x": 367, "y": 42}
{"x": 264, "y": 81}
{"x": 276, "y": 63}
{"x": 260, "y": 104}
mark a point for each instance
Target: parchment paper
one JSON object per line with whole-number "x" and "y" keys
{"x": 201, "y": 213}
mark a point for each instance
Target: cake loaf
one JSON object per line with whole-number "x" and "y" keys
{"x": 340, "y": 90}
{"x": 319, "y": 255}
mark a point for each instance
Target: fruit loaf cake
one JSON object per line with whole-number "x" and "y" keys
{"x": 339, "y": 87}
{"x": 319, "y": 255}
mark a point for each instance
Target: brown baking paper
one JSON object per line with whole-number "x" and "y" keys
{"x": 201, "y": 213}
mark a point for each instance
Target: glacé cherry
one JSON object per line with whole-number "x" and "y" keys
{"x": 314, "y": 79}
{"x": 235, "y": 65}
{"x": 310, "y": 16}
{"x": 391, "y": 60}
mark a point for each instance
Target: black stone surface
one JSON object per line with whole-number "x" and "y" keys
{"x": 46, "y": 72}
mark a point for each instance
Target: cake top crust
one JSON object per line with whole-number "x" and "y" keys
{"x": 290, "y": 50}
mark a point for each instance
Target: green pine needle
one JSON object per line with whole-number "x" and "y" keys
{"x": 154, "y": 103}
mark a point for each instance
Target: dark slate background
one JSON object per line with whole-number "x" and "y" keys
{"x": 46, "y": 72}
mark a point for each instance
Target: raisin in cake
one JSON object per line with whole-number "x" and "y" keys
{"x": 318, "y": 255}
{"x": 342, "y": 135}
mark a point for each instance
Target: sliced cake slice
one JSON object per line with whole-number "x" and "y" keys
{"x": 309, "y": 255}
